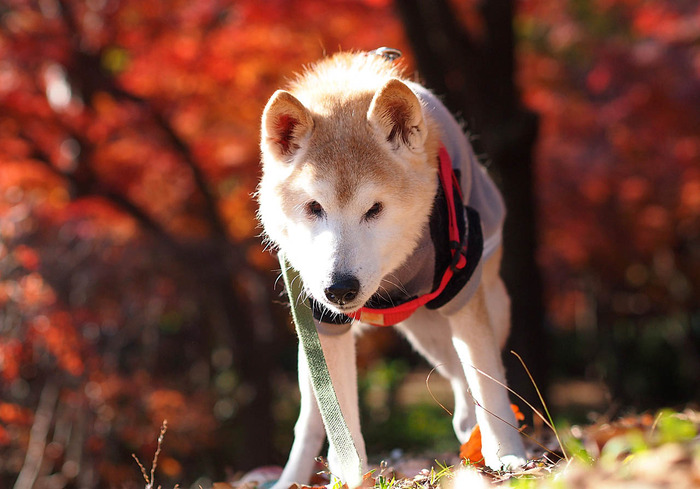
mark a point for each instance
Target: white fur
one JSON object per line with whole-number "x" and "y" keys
{"x": 460, "y": 343}
{"x": 457, "y": 345}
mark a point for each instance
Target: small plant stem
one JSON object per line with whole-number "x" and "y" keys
{"x": 544, "y": 404}
{"x": 532, "y": 439}
{"x": 427, "y": 385}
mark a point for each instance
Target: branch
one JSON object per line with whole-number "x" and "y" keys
{"x": 93, "y": 79}
{"x": 210, "y": 202}
{"x": 89, "y": 185}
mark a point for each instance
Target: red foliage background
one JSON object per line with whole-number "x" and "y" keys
{"x": 617, "y": 84}
{"x": 132, "y": 282}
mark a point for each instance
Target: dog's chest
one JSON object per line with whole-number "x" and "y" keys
{"x": 414, "y": 277}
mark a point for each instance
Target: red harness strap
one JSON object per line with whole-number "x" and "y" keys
{"x": 393, "y": 315}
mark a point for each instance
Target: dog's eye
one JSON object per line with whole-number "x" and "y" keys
{"x": 313, "y": 208}
{"x": 373, "y": 211}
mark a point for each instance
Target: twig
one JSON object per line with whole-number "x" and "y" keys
{"x": 477, "y": 403}
{"x": 544, "y": 404}
{"x": 519, "y": 430}
{"x": 150, "y": 481}
{"x": 38, "y": 435}
{"x": 544, "y": 420}
{"x": 427, "y": 385}
{"x": 656, "y": 421}
{"x": 550, "y": 425}
{"x": 163, "y": 429}
{"x": 143, "y": 469}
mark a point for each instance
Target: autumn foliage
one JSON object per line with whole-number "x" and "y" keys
{"x": 133, "y": 287}
{"x": 618, "y": 163}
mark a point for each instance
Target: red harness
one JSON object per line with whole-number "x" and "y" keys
{"x": 392, "y": 315}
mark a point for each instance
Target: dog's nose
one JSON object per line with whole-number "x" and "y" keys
{"x": 343, "y": 291}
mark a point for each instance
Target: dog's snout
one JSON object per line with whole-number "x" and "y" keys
{"x": 343, "y": 290}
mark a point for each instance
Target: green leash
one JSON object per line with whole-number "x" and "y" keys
{"x": 336, "y": 428}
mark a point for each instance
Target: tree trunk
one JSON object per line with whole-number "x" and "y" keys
{"x": 475, "y": 75}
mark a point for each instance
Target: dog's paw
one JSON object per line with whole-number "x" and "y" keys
{"x": 509, "y": 462}
{"x": 267, "y": 477}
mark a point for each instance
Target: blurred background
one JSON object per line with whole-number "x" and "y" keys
{"x": 133, "y": 286}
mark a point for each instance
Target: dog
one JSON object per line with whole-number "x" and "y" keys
{"x": 372, "y": 190}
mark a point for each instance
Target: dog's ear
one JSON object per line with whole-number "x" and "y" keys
{"x": 285, "y": 124}
{"x": 397, "y": 114}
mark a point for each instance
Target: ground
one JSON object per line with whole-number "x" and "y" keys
{"x": 648, "y": 451}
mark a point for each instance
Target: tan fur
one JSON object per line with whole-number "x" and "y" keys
{"x": 348, "y": 134}
{"x": 338, "y": 117}
{"x": 337, "y": 93}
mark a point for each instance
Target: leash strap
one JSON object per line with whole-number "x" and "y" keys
{"x": 333, "y": 420}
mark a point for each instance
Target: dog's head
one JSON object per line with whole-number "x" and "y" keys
{"x": 349, "y": 177}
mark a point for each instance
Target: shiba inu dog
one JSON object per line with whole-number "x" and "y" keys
{"x": 371, "y": 189}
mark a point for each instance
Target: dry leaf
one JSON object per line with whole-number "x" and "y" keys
{"x": 471, "y": 450}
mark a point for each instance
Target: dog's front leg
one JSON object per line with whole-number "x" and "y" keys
{"x": 339, "y": 350}
{"x": 308, "y": 433}
{"x": 478, "y": 348}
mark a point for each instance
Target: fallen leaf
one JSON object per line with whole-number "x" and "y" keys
{"x": 518, "y": 414}
{"x": 471, "y": 450}
{"x": 368, "y": 480}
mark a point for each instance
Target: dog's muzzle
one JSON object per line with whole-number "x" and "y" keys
{"x": 343, "y": 290}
